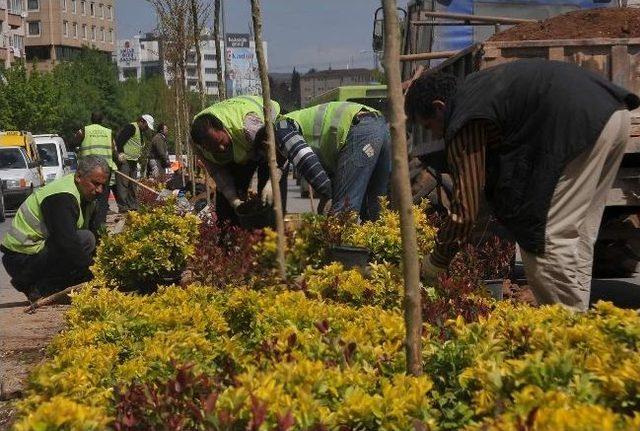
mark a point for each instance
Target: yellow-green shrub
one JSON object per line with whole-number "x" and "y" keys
{"x": 154, "y": 244}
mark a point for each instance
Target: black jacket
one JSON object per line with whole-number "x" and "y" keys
{"x": 548, "y": 112}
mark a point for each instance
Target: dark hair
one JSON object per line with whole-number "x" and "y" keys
{"x": 96, "y": 117}
{"x": 427, "y": 88}
{"x": 201, "y": 125}
{"x": 160, "y": 127}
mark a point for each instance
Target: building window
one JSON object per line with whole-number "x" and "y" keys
{"x": 33, "y": 5}
{"x": 209, "y": 84}
{"x": 93, "y": 32}
{"x": 34, "y": 28}
{"x": 84, "y": 31}
{"x": 16, "y": 6}
{"x": 65, "y": 28}
{"x": 210, "y": 57}
{"x": 100, "y": 11}
{"x": 210, "y": 70}
{"x": 63, "y": 4}
{"x": 111, "y": 35}
{"x": 74, "y": 6}
{"x": 18, "y": 42}
{"x": 101, "y": 34}
{"x": 110, "y": 13}
{"x": 92, "y": 9}
{"x": 83, "y": 7}
{"x": 75, "y": 30}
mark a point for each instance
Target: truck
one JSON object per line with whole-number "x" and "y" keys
{"x": 426, "y": 28}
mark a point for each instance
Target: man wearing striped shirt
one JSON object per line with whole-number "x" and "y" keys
{"x": 544, "y": 140}
{"x": 343, "y": 150}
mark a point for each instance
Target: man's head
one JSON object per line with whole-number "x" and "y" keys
{"x": 145, "y": 122}
{"x": 208, "y": 133}
{"x": 91, "y": 177}
{"x": 427, "y": 98}
{"x": 96, "y": 117}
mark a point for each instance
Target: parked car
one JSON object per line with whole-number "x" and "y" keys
{"x": 54, "y": 156}
{"x": 20, "y": 175}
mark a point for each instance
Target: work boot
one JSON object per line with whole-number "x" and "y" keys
{"x": 33, "y": 294}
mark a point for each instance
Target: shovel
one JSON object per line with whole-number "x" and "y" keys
{"x": 182, "y": 203}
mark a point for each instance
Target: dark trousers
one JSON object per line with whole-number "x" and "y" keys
{"x": 102, "y": 204}
{"x": 48, "y": 271}
{"x": 126, "y": 195}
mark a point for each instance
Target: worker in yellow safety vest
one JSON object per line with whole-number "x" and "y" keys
{"x": 228, "y": 139}
{"x": 51, "y": 241}
{"x": 343, "y": 150}
{"x": 97, "y": 140}
{"x": 130, "y": 143}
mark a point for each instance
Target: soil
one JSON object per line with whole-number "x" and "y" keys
{"x": 582, "y": 24}
{"x": 23, "y": 341}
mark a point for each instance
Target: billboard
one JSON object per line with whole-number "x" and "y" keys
{"x": 127, "y": 53}
{"x": 241, "y": 66}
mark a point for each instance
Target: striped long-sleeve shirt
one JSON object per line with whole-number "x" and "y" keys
{"x": 466, "y": 156}
{"x": 291, "y": 144}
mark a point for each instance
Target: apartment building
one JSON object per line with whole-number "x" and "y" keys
{"x": 56, "y": 30}
{"x": 142, "y": 57}
{"x": 12, "y": 31}
{"x": 315, "y": 83}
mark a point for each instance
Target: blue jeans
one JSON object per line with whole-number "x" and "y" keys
{"x": 363, "y": 169}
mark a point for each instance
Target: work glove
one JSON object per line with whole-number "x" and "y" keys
{"x": 267, "y": 191}
{"x": 429, "y": 271}
{"x": 122, "y": 158}
{"x": 324, "y": 205}
{"x": 236, "y": 203}
{"x": 267, "y": 194}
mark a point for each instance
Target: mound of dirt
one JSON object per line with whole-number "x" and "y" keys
{"x": 582, "y": 24}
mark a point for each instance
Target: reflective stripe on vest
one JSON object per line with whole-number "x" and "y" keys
{"x": 325, "y": 128}
{"x": 28, "y": 231}
{"x": 97, "y": 142}
{"x": 133, "y": 147}
{"x": 231, "y": 113}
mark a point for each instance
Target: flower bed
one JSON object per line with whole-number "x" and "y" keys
{"x": 327, "y": 353}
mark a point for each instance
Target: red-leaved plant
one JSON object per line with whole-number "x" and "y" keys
{"x": 224, "y": 254}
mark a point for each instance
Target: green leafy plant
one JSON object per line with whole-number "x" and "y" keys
{"x": 153, "y": 248}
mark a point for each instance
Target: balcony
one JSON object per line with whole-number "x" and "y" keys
{"x": 15, "y": 20}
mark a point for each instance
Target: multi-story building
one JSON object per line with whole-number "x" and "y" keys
{"x": 209, "y": 66}
{"x": 139, "y": 57}
{"x": 315, "y": 83}
{"x": 142, "y": 57}
{"x": 12, "y": 31}
{"x": 58, "y": 29}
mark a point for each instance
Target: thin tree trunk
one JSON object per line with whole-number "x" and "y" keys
{"x": 196, "y": 42}
{"x": 219, "y": 59}
{"x": 402, "y": 188}
{"x": 268, "y": 123}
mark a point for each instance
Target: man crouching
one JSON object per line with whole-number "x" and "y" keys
{"x": 50, "y": 244}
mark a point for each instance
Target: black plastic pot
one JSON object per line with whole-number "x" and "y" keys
{"x": 350, "y": 257}
{"x": 494, "y": 287}
{"x": 257, "y": 218}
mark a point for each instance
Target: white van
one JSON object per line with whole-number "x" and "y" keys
{"x": 19, "y": 174}
{"x": 54, "y": 156}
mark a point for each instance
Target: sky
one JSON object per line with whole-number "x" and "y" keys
{"x": 300, "y": 33}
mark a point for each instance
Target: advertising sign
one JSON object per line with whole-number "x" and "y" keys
{"x": 241, "y": 71}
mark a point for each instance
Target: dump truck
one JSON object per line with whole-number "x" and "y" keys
{"x": 618, "y": 246}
